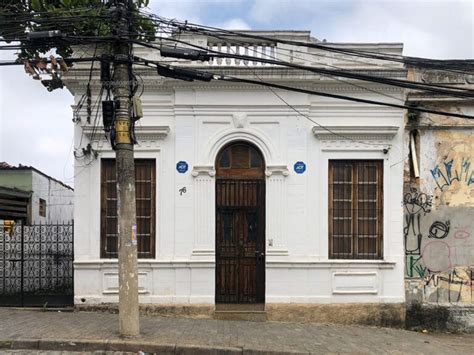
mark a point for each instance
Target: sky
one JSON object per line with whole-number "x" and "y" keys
{"x": 36, "y": 125}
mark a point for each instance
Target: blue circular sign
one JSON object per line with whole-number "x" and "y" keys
{"x": 181, "y": 167}
{"x": 299, "y": 167}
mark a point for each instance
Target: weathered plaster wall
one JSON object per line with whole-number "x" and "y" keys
{"x": 59, "y": 200}
{"x": 439, "y": 208}
{"x": 439, "y": 217}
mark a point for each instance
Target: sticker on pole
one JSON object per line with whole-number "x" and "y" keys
{"x": 299, "y": 167}
{"x": 134, "y": 234}
{"x": 181, "y": 167}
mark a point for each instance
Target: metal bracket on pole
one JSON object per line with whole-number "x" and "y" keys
{"x": 122, "y": 58}
{"x": 122, "y": 131}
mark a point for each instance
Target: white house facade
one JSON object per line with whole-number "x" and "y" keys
{"x": 247, "y": 195}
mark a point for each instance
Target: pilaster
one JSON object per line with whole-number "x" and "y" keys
{"x": 276, "y": 210}
{"x": 204, "y": 214}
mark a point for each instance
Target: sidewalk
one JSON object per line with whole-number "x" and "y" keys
{"x": 83, "y": 331}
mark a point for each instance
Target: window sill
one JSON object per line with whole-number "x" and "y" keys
{"x": 271, "y": 262}
{"x": 334, "y": 264}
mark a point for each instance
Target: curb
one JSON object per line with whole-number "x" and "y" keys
{"x": 132, "y": 346}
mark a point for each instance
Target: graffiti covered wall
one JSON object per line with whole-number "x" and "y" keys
{"x": 439, "y": 218}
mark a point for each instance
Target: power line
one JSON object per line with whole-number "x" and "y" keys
{"x": 415, "y": 61}
{"x": 438, "y": 88}
{"x": 67, "y": 60}
{"x": 209, "y": 30}
{"x": 311, "y": 92}
{"x": 434, "y": 88}
{"x": 56, "y": 10}
{"x": 342, "y": 97}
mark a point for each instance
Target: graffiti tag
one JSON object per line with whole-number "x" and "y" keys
{"x": 461, "y": 233}
{"x": 447, "y": 172}
{"x": 416, "y": 204}
{"x": 439, "y": 230}
{"x": 415, "y": 267}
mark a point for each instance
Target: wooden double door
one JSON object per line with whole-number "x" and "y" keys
{"x": 240, "y": 225}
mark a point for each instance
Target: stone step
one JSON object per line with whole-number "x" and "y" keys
{"x": 253, "y": 316}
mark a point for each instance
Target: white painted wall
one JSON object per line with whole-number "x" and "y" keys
{"x": 59, "y": 200}
{"x": 201, "y": 119}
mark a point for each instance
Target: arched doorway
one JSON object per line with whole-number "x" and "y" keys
{"x": 240, "y": 224}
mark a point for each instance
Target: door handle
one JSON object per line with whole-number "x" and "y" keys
{"x": 259, "y": 255}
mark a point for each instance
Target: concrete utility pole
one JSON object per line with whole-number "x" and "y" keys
{"x": 125, "y": 169}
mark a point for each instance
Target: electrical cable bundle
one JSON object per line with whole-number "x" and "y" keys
{"x": 167, "y": 31}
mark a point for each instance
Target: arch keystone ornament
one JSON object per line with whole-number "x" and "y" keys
{"x": 240, "y": 120}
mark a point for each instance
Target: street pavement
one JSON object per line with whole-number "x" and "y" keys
{"x": 47, "y": 332}
{"x": 52, "y": 352}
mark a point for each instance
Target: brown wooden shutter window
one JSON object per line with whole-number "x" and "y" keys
{"x": 145, "y": 185}
{"x": 355, "y": 209}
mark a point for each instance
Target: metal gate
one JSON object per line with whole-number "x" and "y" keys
{"x": 36, "y": 265}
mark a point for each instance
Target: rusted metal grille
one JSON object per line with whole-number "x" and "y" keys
{"x": 355, "y": 209}
{"x": 145, "y": 206}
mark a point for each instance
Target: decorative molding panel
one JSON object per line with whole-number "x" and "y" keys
{"x": 372, "y": 133}
{"x": 354, "y": 282}
{"x": 276, "y": 210}
{"x": 110, "y": 283}
{"x": 204, "y": 211}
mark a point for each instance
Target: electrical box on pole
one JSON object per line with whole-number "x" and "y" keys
{"x": 185, "y": 53}
{"x": 108, "y": 114}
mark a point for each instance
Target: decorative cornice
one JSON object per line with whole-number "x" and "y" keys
{"x": 143, "y": 133}
{"x": 377, "y": 133}
{"x": 277, "y": 170}
{"x": 308, "y": 83}
{"x": 199, "y": 170}
{"x": 152, "y": 132}
{"x": 77, "y": 79}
